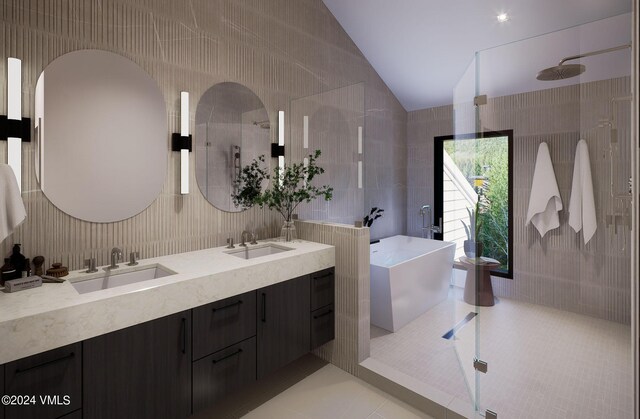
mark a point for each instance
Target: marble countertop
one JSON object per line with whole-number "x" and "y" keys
{"x": 54, "y": 315}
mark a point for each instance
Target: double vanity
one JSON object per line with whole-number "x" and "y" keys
{"x": 165, "y": 338}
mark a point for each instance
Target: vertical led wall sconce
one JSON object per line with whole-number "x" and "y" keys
{"x": 277, "y": 150}
{"x": 13, "y": 128}
{"x": 182, "y": 142}
{"x": 359, "y": 157}
{"x": 305, "y": 132}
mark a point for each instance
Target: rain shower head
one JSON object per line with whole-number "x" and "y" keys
{"x": 561, "y": 72}
{"x": 564, "y": 71}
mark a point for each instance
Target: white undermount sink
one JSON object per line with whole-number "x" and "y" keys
{"x": 252, "y": 252}
{"x": 113, "y": 278}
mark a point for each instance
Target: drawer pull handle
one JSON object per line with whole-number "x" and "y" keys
{"x": 238, "y": 352}
{"x": 237, "y": 303}
{"x": 323, "y": 314}
{"x": 184, "y": 335}
{"x": 328, "y": 274}
{"x": 44, "y": 364}
{"x": 264, "y": 308}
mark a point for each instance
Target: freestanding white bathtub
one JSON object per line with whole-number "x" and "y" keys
{"x": 409, "y": 276}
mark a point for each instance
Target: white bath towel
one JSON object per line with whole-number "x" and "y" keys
{"x": 582, "y": 206}
{"x": 545, "y": 201}
{"x": 12, "y": 212}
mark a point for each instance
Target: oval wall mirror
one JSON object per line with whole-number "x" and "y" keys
{"x": 232, "y": 129}
{"x": 101, "y": 136}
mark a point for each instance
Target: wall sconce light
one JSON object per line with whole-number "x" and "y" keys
{"x": 13, "y": 128}
{"x": 277, "y": 150}
{"x": 360, "y": 149}
{"x": 182, "y": 142}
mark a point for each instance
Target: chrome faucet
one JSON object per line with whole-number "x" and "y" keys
{"x": 90, "y": 264}
{"x": 133, "y": 258}
{"x": 428, "y": 228}
{"x": 252, "y": 236}
{"x": 116, "y": 256}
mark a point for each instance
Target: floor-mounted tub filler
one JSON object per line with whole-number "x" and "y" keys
{"x": 409, "y": 276}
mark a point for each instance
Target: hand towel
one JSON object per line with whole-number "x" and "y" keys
{"x": 544, "y": 201}
{"x": 582, "y": 206}
{"x": 12, "y": 212}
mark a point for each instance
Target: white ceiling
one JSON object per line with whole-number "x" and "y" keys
{"x": 422, "y": 48}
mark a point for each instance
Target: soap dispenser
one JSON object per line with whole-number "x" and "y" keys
{"x": 17, "y": 260}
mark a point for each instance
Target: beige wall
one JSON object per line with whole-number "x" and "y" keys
{"x": 352, "y": 304}
{"x": 281, "y": 49}
{"x": 558, "y": 270}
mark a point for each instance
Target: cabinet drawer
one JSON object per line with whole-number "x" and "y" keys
{"x": 322, "y": 326}
{"x": 223, "y": 323}
{"x": 2, "y": 393}
{"x": 322, "y": 288}
{"x": 52, "y": 373}
{"x": 223, "y": 372}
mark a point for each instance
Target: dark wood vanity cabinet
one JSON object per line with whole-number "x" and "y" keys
{"x": 52, "y": 378}
{"x": 143, "y": 371}
{"x": 223, "y": 372}
{"x": 179, "y": 364}
{"x": 223, "y": 323}
{"x": 2, "y": 393}
{"x": 73, "y": 415}
{"x": 322, "y": 306}
{"x": 322, "y": 288}
{"x": 283, "y": 324}
{"x": 224, "y": 348}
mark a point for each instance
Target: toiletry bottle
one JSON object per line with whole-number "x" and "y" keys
{"x": 7, "y": 271}
{"x": 38, "y": 261}
{"x": 17, "y": 260}
{"x": 26, "y": 269}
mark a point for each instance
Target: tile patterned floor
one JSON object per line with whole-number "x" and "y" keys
{"x": 543, "y": 362}
{"x": 333, "y": 393}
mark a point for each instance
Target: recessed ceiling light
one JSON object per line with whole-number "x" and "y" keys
{"x": 502, "y": 17}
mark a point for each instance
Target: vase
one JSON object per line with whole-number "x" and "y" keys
{"x": 288, "y": 232}
{"x": 473, "y": 249}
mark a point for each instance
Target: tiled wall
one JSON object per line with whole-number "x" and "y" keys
{"x": 558, "y": 270}
{"x": 351, "y": 345}
{"x": 281, "y": 49}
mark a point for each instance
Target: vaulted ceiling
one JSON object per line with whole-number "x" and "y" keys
{"x": 422, "y": 48}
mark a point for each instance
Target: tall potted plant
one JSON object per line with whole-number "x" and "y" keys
{"x": 473, "y": 246}
{"x": 290, "y": 187}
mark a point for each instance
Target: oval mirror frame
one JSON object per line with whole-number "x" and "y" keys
{"x": 232, "y": 129}
{"x": 101, "y": 136}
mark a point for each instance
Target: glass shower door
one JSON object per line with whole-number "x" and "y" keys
{"x": 332, "y": 122}
{"x": 458, "y": 199}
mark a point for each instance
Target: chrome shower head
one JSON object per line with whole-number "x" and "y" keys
{"x": 263, "y": 124}
{"x": 564, "y": 71}
{"x": 561, "y": 72}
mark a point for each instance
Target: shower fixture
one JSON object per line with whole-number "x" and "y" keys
{"x": 263, "y": 124}
{"x": 564, "y": 71}
{"x": 428, "y": 228}
{"x": 236, "y": 167}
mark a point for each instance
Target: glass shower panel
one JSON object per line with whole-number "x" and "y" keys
{"x": 567, "y": 306}
{"x": 332, "y": 122}
{"x": 455, "y": 208}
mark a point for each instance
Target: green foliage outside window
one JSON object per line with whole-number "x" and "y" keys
{"x": 488, "y": 157}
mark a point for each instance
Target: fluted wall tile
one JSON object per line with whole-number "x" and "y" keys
{"x": 557, "y": 270}
{"x": 351, "y": 344}
{"x": 281, "y": 49}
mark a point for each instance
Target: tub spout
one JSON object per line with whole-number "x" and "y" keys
{"x": 428, "y": 228}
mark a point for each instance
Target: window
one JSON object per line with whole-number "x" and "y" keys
{"x": 473, "y": 173}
